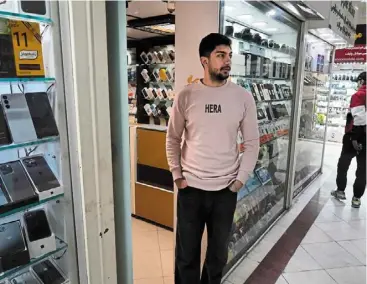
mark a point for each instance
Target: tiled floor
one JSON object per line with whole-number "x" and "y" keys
{"x": 334, "y": 249}
{"x": 152, "y": 254}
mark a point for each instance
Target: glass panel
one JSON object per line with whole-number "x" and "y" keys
{"x": 264, "y": 40}
{"x": 314, "y": 112}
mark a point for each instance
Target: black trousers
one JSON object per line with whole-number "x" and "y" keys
{"x": 195, "y": 209}
{"x": 348, "y": 153}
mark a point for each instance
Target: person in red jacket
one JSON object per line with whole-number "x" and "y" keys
{"x": 354, "y": 145}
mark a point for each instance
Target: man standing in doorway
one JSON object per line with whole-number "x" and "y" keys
{"x": 206, "y": 168}
{"x": 354, "y": 145}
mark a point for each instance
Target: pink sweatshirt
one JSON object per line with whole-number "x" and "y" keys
{"x": 207, "y": 119}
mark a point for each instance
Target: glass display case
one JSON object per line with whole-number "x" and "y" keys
{"x": 34, "y": 164}
{"x": 314, "y": 111}
{"x": 264, "y": 40}
{"x": 343, "y": 86}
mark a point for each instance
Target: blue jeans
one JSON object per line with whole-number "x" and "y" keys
{"x": 195, "y": 209}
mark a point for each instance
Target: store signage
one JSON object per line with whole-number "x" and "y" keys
{"x": 353, "y": 54}
{"x": 343, "y": 19}
{"x": 27, "y": 46}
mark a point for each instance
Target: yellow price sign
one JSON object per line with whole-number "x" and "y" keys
{"x": 27, "y": 46}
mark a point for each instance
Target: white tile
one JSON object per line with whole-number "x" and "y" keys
{"x": 361, "y": 244}
{"x": 260, "y": 250}
{"x": 281, "y": 280}
{"x": 316, "y": 235}
{"x": 353, "y": 247}
{"x": 243, "y": 271}
{"x": 358, "y": 224}
{"x": 348, "y": 213}
{"x": 331, "y": 255}
{"x": 333, "y": 202}
{"x": 349, "y": 275}
{"x": 274, "y": 234}
{"x": 307, "y": 277}
{"x": 341, "y": 231}
{"x": 326, "y": 215}
{"x": 301, "y": 261}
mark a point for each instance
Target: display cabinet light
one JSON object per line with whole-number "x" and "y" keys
{"x": 260, "y": 24}
{"x": 271, "y": 13}
{"x": 244, "y": 17}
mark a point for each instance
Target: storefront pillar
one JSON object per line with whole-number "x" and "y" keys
{"x": 84, "y": 54}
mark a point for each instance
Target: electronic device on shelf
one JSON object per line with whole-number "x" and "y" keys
{"x": 7, "y": 66}
{"x": 18, "y": 117}
{"x": 25, "y": 278}
{"x": 261, "y": 117}
{"x": 34, "y": 8}
{"x": 15, "y": 183}
{"x": 48, "y": 272}
{"x": 42, "y": 177}
{"x": 13, "y": 247}
{"x": 263, "y": 175}
{"x": 5, "y": 137}
{"x": 39, "y": 236}
{"x": 42, "y": 115}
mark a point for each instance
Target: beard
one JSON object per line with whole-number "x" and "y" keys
{"x": 218, "y": 76}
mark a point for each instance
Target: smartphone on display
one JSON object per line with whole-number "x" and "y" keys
{"x": 16, "y": 182}
{"x": 42, "y": 115}
{"x": 40, "y": 173}
{"x": 4, "y": 129}
{"x": 11, "y": 238}
{"x": 37, "y": 225}
{"x": 19, "y": 118}
{"x": 33, "y": 7}
{"x": 48, "y": 273}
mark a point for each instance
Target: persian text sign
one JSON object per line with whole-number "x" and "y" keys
{"x": 353, "y": 54}
{"x": 343, "y": 19}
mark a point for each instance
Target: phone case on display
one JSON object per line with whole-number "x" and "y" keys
{"x": 261, "y": 115}
{"x": 48, "y": 272}
{"x": 42, "y": 177}
{"x": 266, "y": 68}
{"x": 13, "y": 247}
{"x": 42, "y": 115}
{"x": 169, "y": 75}
{"x": 255, "y": 66}
{"x": 144, "y": 57}
{"x": 160, "y": 57}
{"x": 260, "y": 90}
{"x": 156, "y": 75}
{"x": 256, "y": 92}
{"x": 163, "y": 75}
{"x": 145, "y": 93}
{"x": 151, "y": 58}
{"x": 268, "y": 113}
{"x": 148, "y": 110}
{"x": 144, "y": 73}
{"x": 279, "y": 91}
{"x": 155, "y": 57}
{"x": 166, "y": 57}
{"x": 252, "y": 183}
{"x": 159, "y": 93}
{"x": 153, "y": 92}
{"x": 7, "y": 66}
{"x": 153, "y": 107}
{"x": 263, "y": 175}
{"x": 39, "y": 236}
{"x": 19, "y": 118}
{"x": 25, "y": 278}
{"x": 171, "y": 54}
{"x": 253, "y": 92}
{"x": 16, "y": 183}
{"x": 248, "y": 58}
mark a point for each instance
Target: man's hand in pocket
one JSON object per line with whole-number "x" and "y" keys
{"x": 181, "y": 183}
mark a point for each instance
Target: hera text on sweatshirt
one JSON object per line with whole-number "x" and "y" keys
{"x": 202, "y": 136}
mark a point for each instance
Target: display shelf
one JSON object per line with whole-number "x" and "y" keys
{"x": 29, "y": 206}
{"x": 275, "y": 53}
{"x": 274, "y": 101}
{"x": 24, "y": 17}
{"x": 260, "y": 78}
{"x": 29, "y": 143}
{"x": 27, "y": 80}
{"x": 60, "y": 246}
{"x": 274, "y": 120}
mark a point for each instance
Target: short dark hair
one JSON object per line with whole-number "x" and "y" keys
{"x": 362, "y": 76}
{"x": 210, "y": 42}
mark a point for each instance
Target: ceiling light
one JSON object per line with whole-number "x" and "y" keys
{"x": 271, "y": 13}
{"x": 271, "y": 29}
{"x": 260, "y": 24}
{"x": 245, "y": 17}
